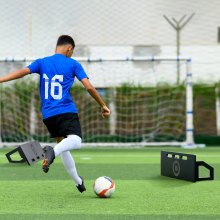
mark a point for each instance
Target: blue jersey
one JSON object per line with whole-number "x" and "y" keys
{"x": 57, "y": 75}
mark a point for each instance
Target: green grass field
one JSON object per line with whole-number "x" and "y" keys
{"x": 141, "y": 193}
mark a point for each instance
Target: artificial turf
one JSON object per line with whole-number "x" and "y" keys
{"x": 141, "y": 193}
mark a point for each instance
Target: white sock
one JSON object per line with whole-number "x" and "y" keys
{"x": 70, "y": 167}
{"x": 63, "y": 149}
{"x": 67, "y": 144}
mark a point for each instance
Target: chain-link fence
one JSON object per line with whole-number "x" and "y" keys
{"x": 120, "y": 29}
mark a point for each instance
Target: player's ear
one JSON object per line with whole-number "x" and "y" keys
{"x": 70, "y": 50}
{"x": 70, "y": 47}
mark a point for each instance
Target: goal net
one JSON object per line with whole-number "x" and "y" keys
{"x": 148, "y": 106}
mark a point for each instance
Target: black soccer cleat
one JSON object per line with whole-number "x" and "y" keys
{"x": 81, "y": 187}
{"x": 48, "y": 158}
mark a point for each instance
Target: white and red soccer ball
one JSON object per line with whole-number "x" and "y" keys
{"x": 104, "y": 187}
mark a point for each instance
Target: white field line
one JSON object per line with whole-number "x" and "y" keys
{"x": 124, "y": 156}
{"x": 138, "y": 156}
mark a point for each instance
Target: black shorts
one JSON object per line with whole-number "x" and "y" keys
{"x": 63, "y": 124}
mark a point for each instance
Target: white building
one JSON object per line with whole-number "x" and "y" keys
{"x": 119, "y": 28}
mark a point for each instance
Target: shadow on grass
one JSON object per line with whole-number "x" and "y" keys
{"x": 90, "y": 171}
{"x": 167, "y": 182}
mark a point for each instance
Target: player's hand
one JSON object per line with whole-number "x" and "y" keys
{"x": 105, "y": 111}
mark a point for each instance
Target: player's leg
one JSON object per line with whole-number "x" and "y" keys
{"x": 63, "y": 149}
{"x": 64, "y": 144}
{"x": 70, "y": 167}
{"x": 64, "y": 125}
{"x": 69, "y": 143}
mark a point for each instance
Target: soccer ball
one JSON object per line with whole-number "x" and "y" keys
{"x": 104, "y": 187}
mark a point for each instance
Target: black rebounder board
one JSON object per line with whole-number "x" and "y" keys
{"x": 183, "y": 166}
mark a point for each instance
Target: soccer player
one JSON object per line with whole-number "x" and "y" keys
{"x": 57, "y": 74}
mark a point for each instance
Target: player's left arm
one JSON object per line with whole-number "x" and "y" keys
{"x": 15, "y": 75}
{"x": 105, "y": 111}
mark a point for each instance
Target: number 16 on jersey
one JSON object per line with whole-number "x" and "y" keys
{"x": 55, "y": 86}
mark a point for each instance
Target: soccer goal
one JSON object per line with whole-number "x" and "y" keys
{"x": 149, "y": 106}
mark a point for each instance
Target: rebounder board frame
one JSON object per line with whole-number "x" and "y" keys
{"x": 183, "y": 166}
{"x": 30, "y": 152}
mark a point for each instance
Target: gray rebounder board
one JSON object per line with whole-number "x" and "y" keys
{"x": 30, "y": 152}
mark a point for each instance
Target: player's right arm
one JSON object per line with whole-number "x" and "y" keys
{"x": 81, "y": 75}
{"x": 15, "y": 75}
{"x": 105, "y": 111}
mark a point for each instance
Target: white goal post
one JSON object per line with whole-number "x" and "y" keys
{"x": 147, "y": 110}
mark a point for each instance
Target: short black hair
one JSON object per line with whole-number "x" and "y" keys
{"x": 65, "y": 39}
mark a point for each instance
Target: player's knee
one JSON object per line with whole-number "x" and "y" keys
{"x": 76, "y": 140}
